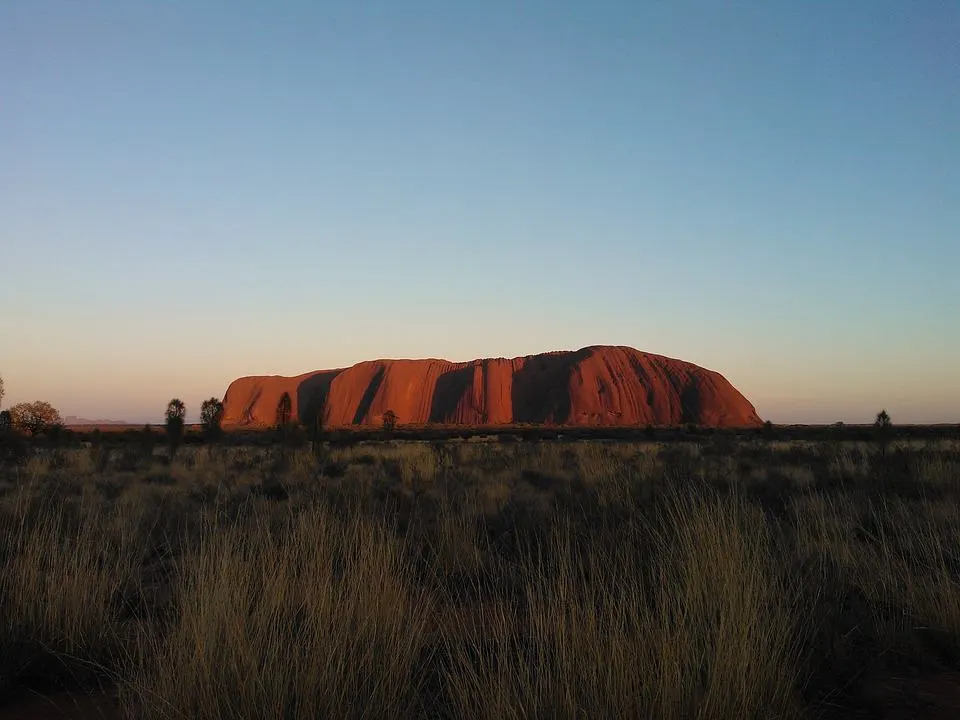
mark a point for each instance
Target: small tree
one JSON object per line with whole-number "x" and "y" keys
{"x": 35, "y": 417}
{"x": 1, "y": 390}
{"x": 389, "y": 421}
{"x": 146, "y": 441}
{"x": 175, "y": 415}
{"x": 9, "y": 442}
{"x": 284, "y": 411}
{"x": 211, "y": 416}
{"x": 883, "y": 427}
{"x": 769, "y": 431}
{"x": 316, "y": 427}
{"x": 316, "y": 435}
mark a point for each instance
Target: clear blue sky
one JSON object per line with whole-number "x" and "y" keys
{"x": 191, "y": 191}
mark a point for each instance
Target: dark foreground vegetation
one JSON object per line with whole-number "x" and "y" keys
{"x": 712, "y": 576}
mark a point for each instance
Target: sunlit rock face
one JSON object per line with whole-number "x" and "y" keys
{"x": 601, "y": 385}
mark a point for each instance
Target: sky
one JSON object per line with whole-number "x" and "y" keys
{"x": 197, "y": 190}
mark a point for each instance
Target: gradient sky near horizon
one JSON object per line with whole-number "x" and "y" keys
{"x": 191, "y": 191}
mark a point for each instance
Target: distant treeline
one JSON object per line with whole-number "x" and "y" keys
{"x": 348, "y": 436}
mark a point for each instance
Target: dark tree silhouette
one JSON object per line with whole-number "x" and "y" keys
{"x": 175, "y": 415}
{"x": 284, "y": 411}
{"x": 883, "y": 427}
{"x": 316, "y": 435}
{"x": 211, "y": 416}
{"x": 769, "y": 430}
{"x": 389, "y": 420}
{"x": 35, "y": 417}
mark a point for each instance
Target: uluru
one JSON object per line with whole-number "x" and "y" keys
{"x": 598, "y": 385}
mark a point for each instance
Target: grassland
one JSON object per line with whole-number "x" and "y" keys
{"x": 721, "y": 577}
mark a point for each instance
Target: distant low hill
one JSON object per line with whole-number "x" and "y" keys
{"x": 74, "y": 421}
{"x": 594, "y": 386}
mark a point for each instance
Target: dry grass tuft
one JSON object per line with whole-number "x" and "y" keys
{"x": 67, "y": 576}
{"x": 703, "y": 631}
{"x": 316, "y": 618}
